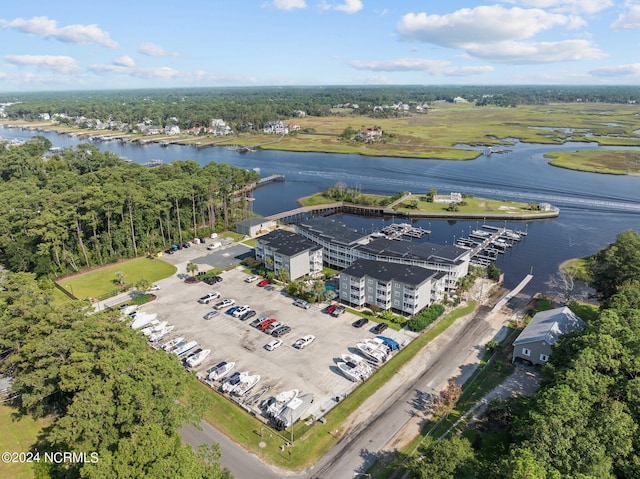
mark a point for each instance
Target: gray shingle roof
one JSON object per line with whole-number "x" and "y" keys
{"x": 549, "y": 325}
{"x": 385, "y": 272}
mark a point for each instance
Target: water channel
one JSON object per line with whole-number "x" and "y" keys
{"x": 594, "y": 208}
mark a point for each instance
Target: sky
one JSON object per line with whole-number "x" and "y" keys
{"x": 82, "y": 45}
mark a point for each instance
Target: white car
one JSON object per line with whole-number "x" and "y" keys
{"x": 211, "y": 314}
{"x": 241, "y": 310}
{"x": 301, "y": 303}
{"x": 304, "y": 341}
{"x": 209, "y": 297}
{"x": 251, "y": 279}
{"x": 271, "y": 345}
{"x": 154, "y": 287}
{"x": 225, "y": 303}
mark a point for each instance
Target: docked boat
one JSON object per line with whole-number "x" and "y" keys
{"x": 184, "y": 349}
{"x": 372, "y": 352}
{"x": 142, "y": 319}
{"x": 246, "y": 384}
{"x": 220, "y": 370}
{"x": 171, "y": 343}
{"x": 280, "y": 401}
{"x": 197, "y": 359}
{"x": 364, "y": 368}
{"x": 230, "y": 384}
{"x": 158, "y": 335}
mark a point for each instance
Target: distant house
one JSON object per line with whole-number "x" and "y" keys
{"x": 276, "y": 128}
{"x": 255, "y": 226}
{"x": 545, "y": 206}
{"x": 537, "y": 339}
{"x": 450, "y": 198}
{"x": 299, "y": 113}
{"x": 369, "y": 134}
{"x": 172, "y": 130}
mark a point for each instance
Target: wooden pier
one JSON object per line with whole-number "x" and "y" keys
{"x": 487, "y": 243}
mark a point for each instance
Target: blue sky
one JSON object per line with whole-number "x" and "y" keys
{"x": 73, "y": 44}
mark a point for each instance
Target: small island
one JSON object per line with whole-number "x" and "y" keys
{"x": 427, "y": 205}
{"x": 610, "y": 162}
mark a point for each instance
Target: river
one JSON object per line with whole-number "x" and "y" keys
{"x": 594, "y": 208}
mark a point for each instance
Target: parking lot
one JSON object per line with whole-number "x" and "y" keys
{"x": 310, "y": 370}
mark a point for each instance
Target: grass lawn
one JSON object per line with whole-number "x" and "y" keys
{"x": 474, "y": 206}
{"x": 611, "y": 162}
{"x": 102, "y": 280}
{"x": 17, "y": 436}
{"x": 578, "y": 267}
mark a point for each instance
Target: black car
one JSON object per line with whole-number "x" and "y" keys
{"x": 249, "y": 314}
{"x": 378, "y": 328}
{"x": 361, "y": 322}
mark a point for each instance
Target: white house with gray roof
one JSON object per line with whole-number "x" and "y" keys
{"x": 537, "y": 339}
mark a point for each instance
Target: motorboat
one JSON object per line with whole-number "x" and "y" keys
{"x": 246, "y": 384}
{"x": 350, "y": 371}
{"x": 154, "y": 327}
{"x": 197, "y": 359}
{"x": 142, "y": 319}
{"x": 158, "y": 335}
{"x": 171, "y": 343}
{"x": 363, "y": 366}
{"x": 181, "y": 351}
{"x": 176, "y": 346}
{"x": 372, "y": 352}
{"x": 280, "y": 401}
{"x": 220, "y": 370}
{"x": 230, "y": 384}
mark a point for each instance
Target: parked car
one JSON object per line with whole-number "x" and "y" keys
{"x": 330, "y": 309}
{"x": 281, "y": 331}
{"x": 257, "y": 321}
{"x": 304, "y": 341}
{"x": 241, "y": 310}
{"x": 154, "y": 287}
{"x": 361, "y": 322}
{"x": 378, "y": 328}
{"x": 206, "y": 299}
{"x": 251, "y": 279}
{"x": 215, "y": 245}
{"x": 211, "y": 314}
{"x": 272, "y": 345}
{"x": 224, "y": 303}
{"x": 273, "y": 326}
{"x": 300, "y": 303}
{"x": 211, "y": 280}
{"x": 338, "y": 311}
{"x": 232, "y": 310}
{"x": 248, "y": 314}
{"x": 266, "y": 323}
{"x": 263, "y": 283}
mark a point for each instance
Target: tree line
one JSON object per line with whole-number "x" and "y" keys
{"x": 82, "y": 207}
{"x": 584, "y": 421}
{"x": 246, "y": 107}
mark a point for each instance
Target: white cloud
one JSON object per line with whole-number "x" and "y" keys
{"x": 432, "y": 67}
{"x": 536, "y": 52}
{"x": 124, "y": 61}
{"x": 484, "y": 24}
{"x": 153, "y": 50}
{"x": 47, "y": 28}
{"x": 629, "y": 20}
{"x": 574, "y": 6}
{"x": 59, "y": 64}
{"x": 289, "y": 4}
{"x": 349, "y": 6}
{"x": 632, "y": 69}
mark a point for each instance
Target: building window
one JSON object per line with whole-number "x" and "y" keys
{"x": 396, "y": 294}
{"x": 369, "y": 289}
{"x": 526, "y": 352}
{"x": 544, "y": 357}
{"x": 396, "y": 303}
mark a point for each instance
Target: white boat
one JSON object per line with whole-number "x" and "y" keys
{"x": 246, "y": 385}
{"x": 230, "y": 384}
{"x": 171, "y": 343}
{"x": 220, "y": 370}
{"x": 177, "y": 346}
{"x": 142, "y": 319}
{"x": 154, "y": 327}
{"x": 158, "y": 335}
{"x": 280, "y": 401}
{"x": 379, "y": 343}
{"x": 371, "y": 352}
{"x": 197, "y": 359}
{"x": 363, "y": 368}
{"x": 185, "y": 348}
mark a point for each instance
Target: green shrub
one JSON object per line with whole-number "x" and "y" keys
{"x": 425, "y": 317}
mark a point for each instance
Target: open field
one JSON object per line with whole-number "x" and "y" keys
{"x": 103, "y": 280}
{"x": 612, "y": 162}
{"x": 434, "y": 134}
{"x": 474, "y": 206}
{"x": 17, "y": 436}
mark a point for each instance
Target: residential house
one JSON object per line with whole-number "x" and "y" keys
{"x": 535, "y": 342}
{"x": 369, "y": 134}
{"x": 276, "y": 128}
{"x": 172, "y": 130}
{"x": 450, "y": 198}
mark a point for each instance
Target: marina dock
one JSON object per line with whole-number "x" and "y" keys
{"x": 488, "y": 242}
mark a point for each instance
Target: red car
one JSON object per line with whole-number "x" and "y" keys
{"x": 331, "y": 308}
{"x": 266, "y": 323}
{"x": 263, "y": 283}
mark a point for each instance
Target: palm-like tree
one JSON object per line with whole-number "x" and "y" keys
{"x": 192, "y": 268}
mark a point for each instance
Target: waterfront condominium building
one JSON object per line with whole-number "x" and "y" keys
{"x": 284, "y": 249}
{"x": 407, "y": 289}
{"x": 343, "y": 245}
